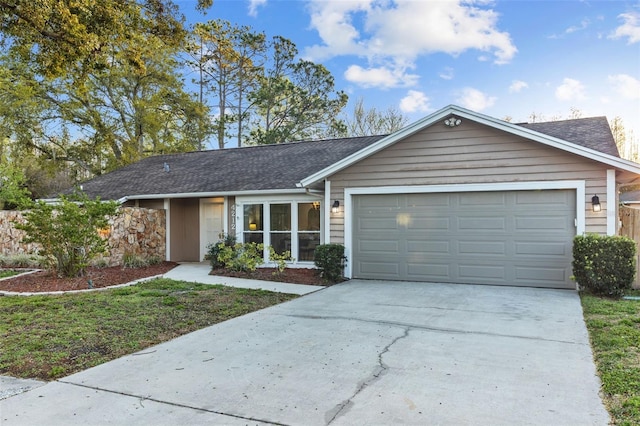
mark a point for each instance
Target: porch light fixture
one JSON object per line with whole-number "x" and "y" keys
{"x": 452, "y": 122}
{"x": 595, "y": 203}
{"x": 335, "y": 207}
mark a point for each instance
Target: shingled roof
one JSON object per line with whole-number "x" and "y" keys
{"x": 282, "y": 166}
{"x": 593, "y": 133}
{"x": 265, "y": 167}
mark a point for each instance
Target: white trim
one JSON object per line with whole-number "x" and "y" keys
{"x": 578, "y": 185}
{"x": 327, "y": 212}
{"x": 167, "y": 231}
{"x": 612, "y": 206}
{"x": 257, "y": 193}
{"x": 478, "y": 118}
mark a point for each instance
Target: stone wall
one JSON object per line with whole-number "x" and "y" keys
{"x": 136, "y": 231}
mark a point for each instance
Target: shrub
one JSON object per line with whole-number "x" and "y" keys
{"x": 241, "y": 257}
{"x": 330, "y": 259}
{"x": 214, "y": 249}
{"x": 22, "y": 261}
{"x": 280, "y": 260}
{"x": 604, "y": 265}
{"x": 68, "y": 231}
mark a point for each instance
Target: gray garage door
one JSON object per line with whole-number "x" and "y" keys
{"x": 521, "y": 238}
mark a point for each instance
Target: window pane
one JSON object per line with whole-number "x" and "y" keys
{"x": 253, "y": 237}
{"x": 281, "y": 241}
{"x": 280, "y": 217}
{"x": 308, "y": 217}
{"x": 307, "y": 243}
{"x": 253, "y": 217}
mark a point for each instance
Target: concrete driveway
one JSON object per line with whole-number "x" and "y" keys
{"x": 363, "y": 352}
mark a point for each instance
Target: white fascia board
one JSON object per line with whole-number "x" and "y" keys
{"x": 478, "y": 118}
{"x": 214, "y": 194}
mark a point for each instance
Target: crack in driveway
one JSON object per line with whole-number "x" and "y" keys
{"x": 380, "y": 369}
{"x": 434, "y": 329}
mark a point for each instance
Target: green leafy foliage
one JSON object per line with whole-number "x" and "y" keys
{"x": 13, "y": 192}
{"x": 213, "y": 250}
{"x": 68, "y": 232}
{"x": 604, "y": 265}
{"x": 280, "y": 259}
{"x": 330, "y": 259}
{"x": 242, "y": 257}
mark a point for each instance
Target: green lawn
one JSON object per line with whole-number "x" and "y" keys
{"x": 8, "y": 273}
{"x": 47, "y": 337}
{"x": 614, "y": 330}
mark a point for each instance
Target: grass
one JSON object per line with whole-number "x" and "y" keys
{"x": 614, "y": 330}
{"x": 8, "y": 273}
{"x": 47, "y": 337}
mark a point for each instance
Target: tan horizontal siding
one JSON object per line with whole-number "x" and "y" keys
{"x": 472, "y": 153}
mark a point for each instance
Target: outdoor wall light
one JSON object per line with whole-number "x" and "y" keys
{"x": 335, "y": 207}
{"x": 595, "y": 203}
{"x": 452, "y": 122}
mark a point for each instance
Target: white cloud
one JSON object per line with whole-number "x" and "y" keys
{"x": 381, "y": 77}
{"x": 575, "y": 28}
{"x": 627, "y": 86}
{"x": 570, "y": 90}
{"x": 630, "y": 28}
{"x": 400, "y": 31}
{"x": 517, "y": 86}
{"x": 415, "y": 101}
{"x": 475, "y": 100}
{"x": 446, "y": 74}
{"x": 254, "y": 5}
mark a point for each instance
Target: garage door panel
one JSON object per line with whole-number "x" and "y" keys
{"x": 442, "y": 247}
{"x": 502, "y": 238}
{"x": 468, "y": 273}
{"x": 547, "y": 224}
{"x": 482, "y": 248}
{"x": 542, "y": 248}
{"x": 380, "y": 269}
{"x": 388, "y": 247}
{"x": 428, "y": 271}
{"x": 479, "y": 224}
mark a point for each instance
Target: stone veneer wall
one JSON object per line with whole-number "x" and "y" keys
{"x": 137, "y": 231}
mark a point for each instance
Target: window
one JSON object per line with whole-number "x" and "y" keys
{"x": 308, "y": 230}
{"x": 253, "y": 224}
{"x": 292, "y": 226}
{"x": 280, "y": 227}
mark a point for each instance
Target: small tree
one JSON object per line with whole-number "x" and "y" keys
{"x": 13, "y": 191}
{"x": 68, "y": 232}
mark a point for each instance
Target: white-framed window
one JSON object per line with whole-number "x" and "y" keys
{"x": 286, "y": 225}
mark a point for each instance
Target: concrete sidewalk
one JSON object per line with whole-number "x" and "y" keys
{"x": 199, "y": 272}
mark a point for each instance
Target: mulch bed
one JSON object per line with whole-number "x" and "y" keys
{"x": 290, "y": 275}
{"x": 43, "y": 281}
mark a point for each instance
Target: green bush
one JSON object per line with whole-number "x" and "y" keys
{"x": 604, "y": 265}
{"x": 213, "y": 250}
{"x": 241, "y": 257}
{"x": 68, "y": 231}
{"x": 280, "y": 259}
{"x": 330, "y": 260}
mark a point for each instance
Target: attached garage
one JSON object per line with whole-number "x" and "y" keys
{"x": 521, "y": 238}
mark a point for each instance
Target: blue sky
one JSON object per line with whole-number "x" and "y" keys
{"x": 501, "y": 58}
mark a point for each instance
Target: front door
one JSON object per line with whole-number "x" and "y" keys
{"x": 212, "y": 225}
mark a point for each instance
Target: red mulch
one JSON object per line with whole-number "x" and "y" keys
{"x": 290, "y": 275}
{"x": 100, "y": 277}
{"x": 43, "y": 281}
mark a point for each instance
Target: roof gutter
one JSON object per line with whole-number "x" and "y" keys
{"x": 210, "y": 194}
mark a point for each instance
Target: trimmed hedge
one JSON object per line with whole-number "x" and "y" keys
{"x": 330, "y": 259}
{"x": 604, "y": 265}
